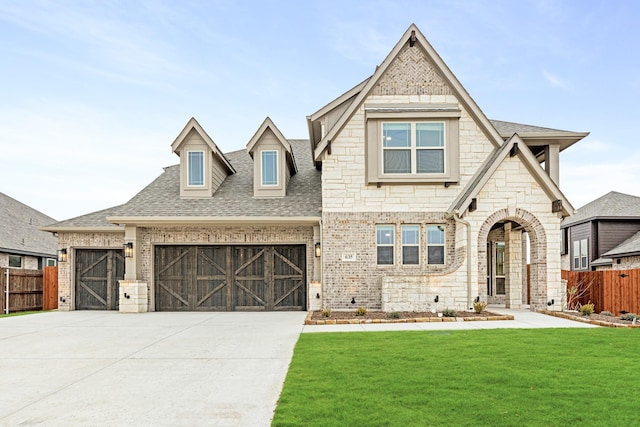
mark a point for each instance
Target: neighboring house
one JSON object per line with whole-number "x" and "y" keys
{"x": 405, "y": 197}
{"x": 602, "y": 234}
{"x": 22, "y": 243}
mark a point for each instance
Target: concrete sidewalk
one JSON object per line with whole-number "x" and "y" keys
{"x": 523, "y": 318}
{"x": 154, "y": 369}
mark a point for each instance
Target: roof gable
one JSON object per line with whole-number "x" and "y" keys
{"x": 611, "y": 205}
{"x": 20, "y": 229}
{"x": 440, "y": 76}
{"x": 513, "y": 146}
{"x": 183, "y": 137}
{"x": 266, "y": 127}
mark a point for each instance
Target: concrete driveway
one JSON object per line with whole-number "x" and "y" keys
{"x": 180, "y": 369}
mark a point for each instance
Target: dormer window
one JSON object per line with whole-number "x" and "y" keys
{"x": 195, "y": 168}
{"x": 269, "y": 167}
{"x": 413, "y": 147}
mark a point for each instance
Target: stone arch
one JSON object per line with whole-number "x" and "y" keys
{"x": 538, "y": 252}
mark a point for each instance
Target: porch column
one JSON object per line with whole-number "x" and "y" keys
{"x": 133, "y": 296}
{"x": 315, "y": 296}
{"x": 513, "y": 267}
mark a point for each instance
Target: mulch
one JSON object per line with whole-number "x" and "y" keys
{"x": 350, "y": 317}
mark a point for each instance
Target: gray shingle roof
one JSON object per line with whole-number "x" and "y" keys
{"x": 234, "y": 197}
{"x": 611, "y": 205}
{"x": 631, "y": 246}
{"x": 509, "y": 128}
{"x": 19, "y": 231}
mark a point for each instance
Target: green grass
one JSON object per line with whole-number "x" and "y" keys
{"x": 21, "y": 313}
{"x": 511, "y": 377}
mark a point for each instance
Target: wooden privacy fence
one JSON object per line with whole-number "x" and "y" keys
{"x": 609, "y": 290}
{"x": 29, "y": 289}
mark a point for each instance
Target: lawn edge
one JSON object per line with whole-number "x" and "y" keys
{"x": 585, "y": 319}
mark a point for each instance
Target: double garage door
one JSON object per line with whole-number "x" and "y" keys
{"x": 230, "y": 278}
{"x": 201, "y": 278}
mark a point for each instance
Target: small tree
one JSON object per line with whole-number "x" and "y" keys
{"x": 576, "y": 292}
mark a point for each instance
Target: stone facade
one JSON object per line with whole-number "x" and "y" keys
{"x": 349, "y": 263}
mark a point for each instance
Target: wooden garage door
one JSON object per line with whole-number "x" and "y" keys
{"x": 98, "y": 272}
{"x": 227, "y": 278}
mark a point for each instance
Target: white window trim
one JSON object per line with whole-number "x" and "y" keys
{"x": 392, "y": 245}
{"x": 277, "y": 183}
{"x": 580, "y": 260}
{"x": 204, "y": 170}
{"x": 54, "y": 262}
{"x": 403, "y": 244}
{"x": 413, "y": 148}
{"x": 443, "y": 244}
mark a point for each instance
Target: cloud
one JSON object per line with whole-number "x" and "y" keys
{"x": 554, "y": 80}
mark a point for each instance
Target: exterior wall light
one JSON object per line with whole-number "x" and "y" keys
{"x": 128, "y": 250}
{"x": 62, "y": 255}
{"x": 318, "y": 250}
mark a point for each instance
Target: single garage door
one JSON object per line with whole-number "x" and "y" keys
{"x": 228, "y": 278}
{"x": 98, "y": 272}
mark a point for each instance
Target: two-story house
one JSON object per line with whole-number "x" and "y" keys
{"x": 405, "y": 197}
{"x": 602, "y": 234}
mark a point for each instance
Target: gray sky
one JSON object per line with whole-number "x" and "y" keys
{"x": 94, "y": 92}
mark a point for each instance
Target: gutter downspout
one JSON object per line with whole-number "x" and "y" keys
{"x": 456, "y": 217}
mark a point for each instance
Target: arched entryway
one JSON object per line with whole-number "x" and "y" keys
{"x": 502, "y": 259}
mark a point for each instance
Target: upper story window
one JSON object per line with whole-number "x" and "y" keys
{"x": 413, "y": 147}
{"x": 195, "y": 168}
{"x": 412, "y": 143}
{"x": 269, "y": 167}
{"x": 15, "y": 261}
{"x": 580, "y": 254}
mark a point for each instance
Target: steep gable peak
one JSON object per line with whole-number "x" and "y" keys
{"x": 184, "y": 136}
{"x": 414, "y": 56}
{"x": 269, "y": 128}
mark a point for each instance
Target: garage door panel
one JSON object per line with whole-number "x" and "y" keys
{"x": 243, "y": 278}
{"x": 97, "y": 276}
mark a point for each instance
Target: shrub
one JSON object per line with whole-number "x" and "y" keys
{"x": 325, "y": 312}
{"x": 361, "y": 311}
{"x": 394, "y": 315}
{"x": 479, "y": 306}
{"x": 448, "y": 312}
{"x": 606, "y": 313}
{"x": 587, "y": 309}
{"x": 629, "y": 316}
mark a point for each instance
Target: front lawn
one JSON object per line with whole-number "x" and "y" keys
{"x": 504, "y": 377}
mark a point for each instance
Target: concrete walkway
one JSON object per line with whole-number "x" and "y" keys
{"x": 153, "y": 369}
{"x": 158, "y": 369}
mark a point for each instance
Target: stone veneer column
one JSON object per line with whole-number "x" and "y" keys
{"x": 133, "y": 293}
{"x": 513, "y": 267}
{"x": 133, "y": 296}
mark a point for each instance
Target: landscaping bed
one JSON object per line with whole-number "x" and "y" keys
{"x": 594, "y": 319}
{"x": 350, "y": 317}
